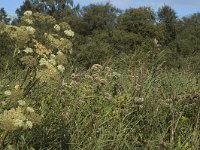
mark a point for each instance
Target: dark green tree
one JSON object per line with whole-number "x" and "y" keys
{"x": 139, "y": 21}
{"x": 28, "y": 5}
{"x": 3, "y": 16}
{"x": 167, "y": 21}
{"x": 188, "y": 37}
{"x": 98, "y": 17}
{"x": 56, "y": 8}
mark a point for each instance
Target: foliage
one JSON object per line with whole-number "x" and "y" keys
{"x": 51, "y": 7}
{"x": 3, "y": 16}
{"x": 167, "y": 17}
{"x": 139, "y": 21}
{"x": 40, "y": 65}
{"x": 123, "y": 80}
{"x": 98, "y": 17}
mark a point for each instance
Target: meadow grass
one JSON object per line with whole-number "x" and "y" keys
{"x": 103, "y": 109}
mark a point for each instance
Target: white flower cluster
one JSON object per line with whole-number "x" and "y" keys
{"x": 42, "y": 62}
{"x": 49, "y": 63}
{"x": 30, "y": 109}
{"x": 28, "y": 50}
{"x": 57, "y": 27}
{"x": 96, "y": 67}
{"x": 21, "y": 102}
{"x": 28, "y": 13}
{"x": 7, "y": 93}
{"x": 29, "y": 21}
{"x": 60, "y": 53}
{"x": 61, "y": 68}
{"x": 69, "y": 33}
{"x": 30, "y": 29}
{"x": 14, "y": 119}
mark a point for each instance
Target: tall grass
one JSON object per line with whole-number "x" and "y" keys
{"x": 103, "y": 109}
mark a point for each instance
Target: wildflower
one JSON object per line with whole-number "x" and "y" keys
{"x": 57, "y": 27}
{"x": 96, "y": 67}
{"x": 116, "y": 75}
{"x": 62, "y": 39}
{"x": 30, "y": 109}
{"x": 29, "y": 21}
{"x": 60, "y": 53}
{"x": 30, "y": 29}
{"x": 28, "y": 50}
{"x": 88, "y": 77}
{"x": 64, "y": 83}
{"x": 45, "y": 34}
{"x": 52, "y": 56}
{"x": 21, "y": 102}
{"x": 40, "y": 49}
{"x": 12, "y": 119}
{"x": 52, "y": 61}
{"x": 18, "y": 123}
{"x": 69, "y": 33}
{"x": 61, "y": 68}
{"x": 70, "y": 50}
{"x": 42, "y": 62}
{"x": 17, "y": 87}
{"x": 7, "y": 93}
{"x": 138, "y": 100}
{"x": 28, "y": 13}
{"x": 29, "y": 124}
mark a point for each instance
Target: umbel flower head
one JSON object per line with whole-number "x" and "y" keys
{"x": 61, "y": 68}
{"x": 12, "y": 119}
{"x": 57, "y": 27}
{"x": 7, "y": 93}
{"x": 69, "y": 33}
{"x": 28, "y": 50}
{"x": 29, "y": 21}
{"x": 21, "y": 117}
{"x": 28, "y": 13}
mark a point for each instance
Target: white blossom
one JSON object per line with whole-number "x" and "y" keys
{"x": 28, "y": 50}
{"x": 29, "y": 124}
{"x": 29, "y": 21}
{"x": 69, "y": 33}
{"x": 30, "y": 109}
{"x": 57, "y": 27}
{"x": 18, "y": 122}
{"x": 30, "y": 29}
{"x": 52, "y": 56}
{"x": 52, "y": 61}
{"x": 28, "y": 13}
{"x": 60, "y": 53}
{"x": 42, "y": 62}
{"x": 21, "y": 102}
{"x": 61, "y": 68}
{"x": 17, "y": 87}
{"x": 7, "y": 93}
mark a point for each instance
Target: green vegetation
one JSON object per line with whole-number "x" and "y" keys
{"x": 98, "y": 78}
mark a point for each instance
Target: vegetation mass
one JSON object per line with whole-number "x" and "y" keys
{"x": 98, "y": 78}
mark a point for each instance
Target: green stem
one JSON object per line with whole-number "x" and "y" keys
{"x": 2, "y": 141}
